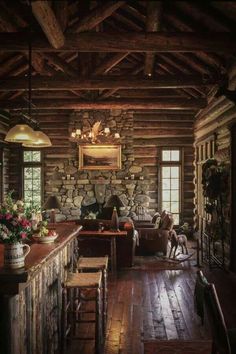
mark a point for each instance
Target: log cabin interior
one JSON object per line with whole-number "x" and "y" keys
{"x": 130, "y": 107}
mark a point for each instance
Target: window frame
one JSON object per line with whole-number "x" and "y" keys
{"x": 172, "y": 164}
{"x": 32, "y": 164}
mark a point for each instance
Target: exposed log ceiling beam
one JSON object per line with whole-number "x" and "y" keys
{"x": 5, "y": 67}
{"x": 178, "y": 21}
{"x": 207, "y": 20}
{"x": 96, "y": 16}
{"x": 153, "y": 24}
{"x": 37, "y": 60}
{"x": 60, "y": 64}
{"x": 169, "y": 103}
{"x": 61, "y": 12}
{"x": 194, "y": 63}
{"x": 48, "y": 22}
{"x": 109, "y": 93}
{"x": 126, "y": 42}
{"x": 127, "y": 24}
{"x": 57, "y": 83}
{"x": 109, "y": 62}
{"x": 170, "y": 69}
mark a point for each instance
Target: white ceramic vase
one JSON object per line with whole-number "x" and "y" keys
{"x": 14, "y": 255}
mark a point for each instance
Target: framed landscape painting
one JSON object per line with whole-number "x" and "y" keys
{"x": 100, "y": 157}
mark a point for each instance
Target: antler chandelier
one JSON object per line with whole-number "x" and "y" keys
{"x": 95, "y": 135}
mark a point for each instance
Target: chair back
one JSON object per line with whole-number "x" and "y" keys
{"x": 200, "y": 286}
{"x": 216, "y": 321}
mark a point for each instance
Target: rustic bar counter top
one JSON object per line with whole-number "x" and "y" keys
{"x": 39, "y": 254}
{"x": 31, "y": 297}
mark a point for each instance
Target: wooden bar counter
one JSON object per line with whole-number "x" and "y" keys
{"x": 31, "y": 297}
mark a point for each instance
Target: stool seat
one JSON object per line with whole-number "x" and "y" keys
{"x": 92, "y": 262}
{"x": 84, "y": 280}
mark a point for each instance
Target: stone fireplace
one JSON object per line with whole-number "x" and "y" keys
{"x": 84, "y": 191}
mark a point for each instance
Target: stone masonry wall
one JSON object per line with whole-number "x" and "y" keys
{"x": 76, "y": 188}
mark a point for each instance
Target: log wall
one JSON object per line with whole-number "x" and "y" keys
{"x": 156, "y": 130}
{"x": 212, "y": 135}
{"x": 152, "y": 131}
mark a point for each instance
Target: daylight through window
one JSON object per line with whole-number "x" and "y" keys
{"x": 32, "y": 178}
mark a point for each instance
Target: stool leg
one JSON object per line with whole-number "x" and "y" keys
{"x": 64, "y": 320}
{"x": 104, "y": 275}
{"x": 98, "y": 335}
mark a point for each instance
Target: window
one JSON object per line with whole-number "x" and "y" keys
{"x": 32, "y": 178}
{"x": 170, "y": 182}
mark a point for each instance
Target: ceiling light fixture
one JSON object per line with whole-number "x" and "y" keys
{"x": 94, "y": 135}
{"x": 22, "y": 132}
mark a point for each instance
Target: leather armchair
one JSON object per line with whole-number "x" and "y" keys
{"x": 151, "y": 239}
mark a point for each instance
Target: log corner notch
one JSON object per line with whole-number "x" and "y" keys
{"x": 48, "y": 22}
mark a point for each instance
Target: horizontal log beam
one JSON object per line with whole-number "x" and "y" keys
{"x": 111, "y": 104}
{"x": 76, "y": 83}
{"x": 125, "y": 42}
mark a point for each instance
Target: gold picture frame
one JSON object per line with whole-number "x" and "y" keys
{"x": 99, "y": 157}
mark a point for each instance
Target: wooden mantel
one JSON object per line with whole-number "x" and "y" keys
{"x": 31, "y": 298}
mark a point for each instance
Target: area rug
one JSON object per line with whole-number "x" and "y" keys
{"x": 156, "y": 263}
{"x": 177, "y": 347}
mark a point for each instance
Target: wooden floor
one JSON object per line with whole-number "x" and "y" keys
{"x": 148, "y": 304}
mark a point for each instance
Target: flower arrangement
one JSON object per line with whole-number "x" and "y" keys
{"x": 15, "y": 224}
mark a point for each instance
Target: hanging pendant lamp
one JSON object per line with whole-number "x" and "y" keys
{"x": 23, "y": 133}
{"x": 39, "y": 140}
{"x": 20, "y": 133}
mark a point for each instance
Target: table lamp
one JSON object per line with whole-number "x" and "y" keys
{"x": 114, "y": 203}
{"x": 52, "y": 203}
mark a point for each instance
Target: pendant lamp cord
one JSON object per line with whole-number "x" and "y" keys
{"x": 30, "y": 61}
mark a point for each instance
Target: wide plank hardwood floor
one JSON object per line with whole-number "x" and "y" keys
{"x": 148, "y": 304}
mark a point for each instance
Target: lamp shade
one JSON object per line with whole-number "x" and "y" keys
{"x": 20, "y": 133}
{"x": 40, "y": 140}
{"x": 114, "y": 201}
{"x": 52, "y": 203}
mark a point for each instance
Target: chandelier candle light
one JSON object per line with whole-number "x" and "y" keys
{"x": 95, "y": 135}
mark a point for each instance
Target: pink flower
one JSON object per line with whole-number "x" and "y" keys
{"x": 23, "y": 235}
{"x": 8, "y": 216}
{"x": 24, "y": 222}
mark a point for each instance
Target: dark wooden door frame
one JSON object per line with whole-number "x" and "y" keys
{"x": 233, "y": 200}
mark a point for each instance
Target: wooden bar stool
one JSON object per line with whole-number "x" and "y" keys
{"x": 76, "y": 293}
{"x": 86, "y": 264}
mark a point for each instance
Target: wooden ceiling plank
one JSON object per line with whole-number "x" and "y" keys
{"x": 126, "y": 42}
{"x": 48, "y": 22}
{"x": 108, "y": 82}
{"x": 172, "y": 104}
{"x": 96, "y": 16}
{"x": 153, "y": 24}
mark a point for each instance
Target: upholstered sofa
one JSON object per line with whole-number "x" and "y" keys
{"x": 153, "y": 237}
{"x": 125, "y": 246}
